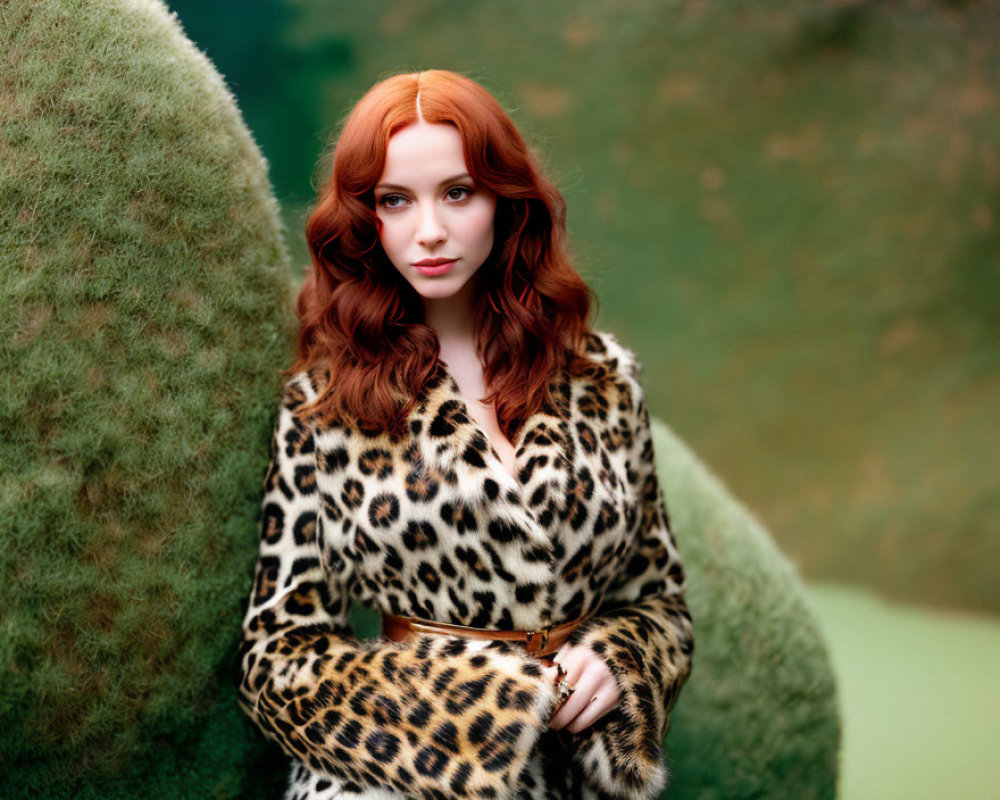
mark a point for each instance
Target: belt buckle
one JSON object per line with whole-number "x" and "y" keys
{"x": 541, "y": 643}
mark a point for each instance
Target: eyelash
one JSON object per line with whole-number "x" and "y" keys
{"x": 466, "y": 189}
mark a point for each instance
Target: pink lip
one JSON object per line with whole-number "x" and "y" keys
{"x": 434, "y": 266}
{"x": 432, "y": 262}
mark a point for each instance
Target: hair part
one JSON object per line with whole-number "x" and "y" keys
{"x": 362, "y": 324}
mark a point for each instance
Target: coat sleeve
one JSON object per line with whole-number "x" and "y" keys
{"x": 643, "y": 628}
{"x": 433, "y": 716}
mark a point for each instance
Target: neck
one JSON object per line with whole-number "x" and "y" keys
{"x": 451, "y": 317}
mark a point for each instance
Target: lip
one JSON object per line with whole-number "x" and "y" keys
{"x": 434, "y": 266}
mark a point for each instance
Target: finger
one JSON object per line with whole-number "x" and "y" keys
{"x": 583, "y": 690}
{"x": 597, "y": 706}
{"x": 574, "y": 661}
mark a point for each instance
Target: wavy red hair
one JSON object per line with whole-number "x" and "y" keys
{"x": 363, "y": 323}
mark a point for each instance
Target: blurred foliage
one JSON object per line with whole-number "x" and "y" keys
{"x": 790, "y": 210}
{"x": 278, "y": 83}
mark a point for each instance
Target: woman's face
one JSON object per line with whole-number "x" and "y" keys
{"x": 436, "y": 223}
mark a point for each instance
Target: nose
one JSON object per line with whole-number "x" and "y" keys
{"x": 431, "y": 230}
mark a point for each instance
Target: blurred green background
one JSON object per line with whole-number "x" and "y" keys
{"x": 791, "y": 211}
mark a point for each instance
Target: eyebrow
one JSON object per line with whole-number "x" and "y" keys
{"x": 452, "y": 179}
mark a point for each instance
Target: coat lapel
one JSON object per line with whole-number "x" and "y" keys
{"x": 451, "y": 443}
{"x": 552, "y": 530}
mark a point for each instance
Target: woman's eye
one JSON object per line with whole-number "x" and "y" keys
{"x": 459, "y": 192}
{"x": 392, "y": 201}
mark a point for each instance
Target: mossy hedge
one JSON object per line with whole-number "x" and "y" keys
{"x": 144, "y": 316}
{"x": 759, "y": 715}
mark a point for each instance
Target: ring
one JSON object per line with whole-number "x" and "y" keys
{"x": 565, "y": 691}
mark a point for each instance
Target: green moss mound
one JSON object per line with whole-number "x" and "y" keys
{"x": 144, "y": 314}
{"x": 758, "y": 716}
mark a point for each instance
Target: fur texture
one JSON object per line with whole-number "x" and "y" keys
{"x": 432, "y": 525}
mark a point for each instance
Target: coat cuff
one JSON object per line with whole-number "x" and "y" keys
{"x": 387, "y": 719}
{"x": 621, "y": 754}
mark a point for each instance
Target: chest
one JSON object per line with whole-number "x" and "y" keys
{"x": 438, "y": 524}
{"x": 466, "y": 370}
{"x": 486, "y": 417}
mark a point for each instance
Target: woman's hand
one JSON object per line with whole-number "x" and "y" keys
{"x": 595, "y": 689}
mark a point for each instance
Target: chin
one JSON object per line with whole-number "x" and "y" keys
{"x": 436, "y": 289}
{"x": 441, "y": 294}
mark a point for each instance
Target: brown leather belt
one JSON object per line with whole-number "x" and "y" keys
{"x": 539, "y": 643}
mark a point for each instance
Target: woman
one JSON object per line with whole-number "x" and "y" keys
{"x": 459, "y": 451}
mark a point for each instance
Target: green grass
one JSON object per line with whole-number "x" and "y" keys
{"x": 921, "y": 711}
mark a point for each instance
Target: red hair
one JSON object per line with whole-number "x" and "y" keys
{"x": 363, "y": 323}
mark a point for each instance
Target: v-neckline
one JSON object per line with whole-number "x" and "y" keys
{"x": 478, "y": 428}
{"x": 455, "y": 443}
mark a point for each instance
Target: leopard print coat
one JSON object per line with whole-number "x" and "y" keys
{"x": 433, "y": 525}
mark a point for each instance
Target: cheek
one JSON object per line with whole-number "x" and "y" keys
{"x": 481, "y": 225}
{"x": 390, "y": 237}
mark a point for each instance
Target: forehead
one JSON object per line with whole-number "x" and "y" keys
{"x": 423, "y": 154}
